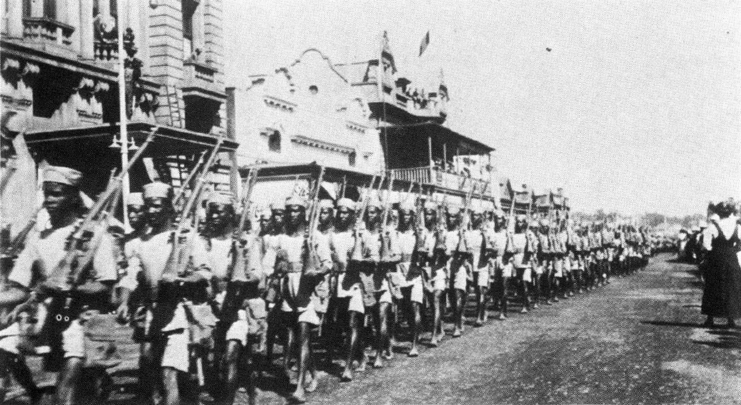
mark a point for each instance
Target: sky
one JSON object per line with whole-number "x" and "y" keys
{"x": 636, "y": 107}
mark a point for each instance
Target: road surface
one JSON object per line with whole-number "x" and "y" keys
{"x": 637, "y": 341}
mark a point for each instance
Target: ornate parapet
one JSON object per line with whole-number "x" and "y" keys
{"x": 47, "y": 30}
{"x": 18, "y": 75}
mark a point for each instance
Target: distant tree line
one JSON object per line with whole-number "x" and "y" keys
{"x": 650, "y": 219}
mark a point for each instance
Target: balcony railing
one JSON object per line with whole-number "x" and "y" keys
{"x": 105, "y": 50}
{"x": 47, "y": 30}
{"x": 432, "y": 176}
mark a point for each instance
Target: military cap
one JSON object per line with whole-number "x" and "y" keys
{"x": 544, "y": 222}
{"x": 407, "y": 206}
{"x": 347, "y": 203}
{"x": 326, "y": 203}
{"x": 295, "y": 200}
{"x": 521, "y": 217}
{"x": 499, "y": 214}
{"x": 703, "y": 224}
{"x": 477, "y": 208}
{"x": 135, "y": 199}
{"x": 695, "y": 228}
{"x": 265, "y": 214}
{"x": 430, "y": 205}
{"x": 374, "y": 202}
{"x": 534, "y": 224}
{"x": 224, "y": 198}
{"x": 156, "y": 190}
{"x": 277, "y": 207}
{"x": 453, "y": 210}
{"x": 62, "y": 175}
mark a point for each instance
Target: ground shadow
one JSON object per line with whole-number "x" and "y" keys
{"x": 667, "y": 323}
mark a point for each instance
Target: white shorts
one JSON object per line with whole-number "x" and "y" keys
{"x": 483, "y": 278}
{"x": 386, "y": 296}
{"x": 176, "y": 354}
{"x": 525, "y": 274}
{"x": 459, "y": 276}
{"x": 73, "y": 341}
{"x": 439, "y": 279}
{"x": 416, "y": 293}
{"x": 354, "y": 292}
{"x": 558, "y": 267}
{"x": 9, "y": 338}
{"x": 239, "y": 329}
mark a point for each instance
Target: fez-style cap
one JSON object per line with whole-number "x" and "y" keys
{"x": 407, "y": 206}
{"x": 221, "y": 197}
{"x": 374, "y": 202}
{"x": 156, "y": 190}
{"x": 326, "y": 204}
{"x": 135, "y": 199}
{"x": 62, "y": 175}
{"x": 347, "y": 203}
{"x": 295, "y": 200}
{"x": 452, "y": 210}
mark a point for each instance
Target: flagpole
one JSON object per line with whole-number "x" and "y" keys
{"x": 380, "y": 76}
{"x": 124, "y": 138}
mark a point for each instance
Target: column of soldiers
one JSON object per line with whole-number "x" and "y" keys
{"x": 201, "y": 287}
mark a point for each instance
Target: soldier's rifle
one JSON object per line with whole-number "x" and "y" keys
{"x": 184, "y": 235}
{"x": 80, "y": 249}
{"x": 196, "y": 169}
{"x": 386, "y": 248}
{"x": 312, "y": 262}
{"x": 357, "y": 252}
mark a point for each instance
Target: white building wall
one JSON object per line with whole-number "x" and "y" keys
{"x": 324, "y": 127}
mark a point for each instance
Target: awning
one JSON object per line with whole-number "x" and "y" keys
{"x": 168, "y": 141}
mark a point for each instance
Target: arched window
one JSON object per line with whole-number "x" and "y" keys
{"x": 352, "y": 158}
{"x": 313, "y": 89}
{"x": 274, "y": 142}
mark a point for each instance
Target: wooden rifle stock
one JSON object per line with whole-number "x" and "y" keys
{"x": 386, "y": 248}
{"x": 357, "y": 251}
{"x": 312, "y": 263}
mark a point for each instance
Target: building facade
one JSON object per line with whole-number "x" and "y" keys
{"x": 60, "y": 69}
{"x": 301, "y": 113}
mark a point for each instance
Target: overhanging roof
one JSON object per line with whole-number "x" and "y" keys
{"x": 168, "y": 140}
{"x": 435, "y": 129}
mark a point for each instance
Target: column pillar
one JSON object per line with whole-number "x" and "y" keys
{"x": 87, "y": 48}
{"x": 15, "y": 19}
{"x": 73, "y": 19}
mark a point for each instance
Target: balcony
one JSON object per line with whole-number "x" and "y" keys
{"x": 436, "y": 177}
{"x": 105, "y": 50}
{"x": 46, "y": 31}
{"x": 200, "y": 80}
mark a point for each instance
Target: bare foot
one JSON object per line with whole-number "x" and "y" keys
{"x": 413, "y": 352}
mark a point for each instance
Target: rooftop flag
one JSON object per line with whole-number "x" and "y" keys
{"x": 425, "y": 42}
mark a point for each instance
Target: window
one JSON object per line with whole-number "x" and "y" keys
{"x": 50, "y": 8}
{"x": 274, "y": 142}
{"x": 313, "y": 89}
{"x": 188, "y": 9}
{"x": 352, "y": 158}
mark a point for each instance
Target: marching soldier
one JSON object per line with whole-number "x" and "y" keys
{"x": 523, "y": 246}
{"x": 481, "y": 249}
{"x": 558, "y": 248}
{"x": 237, "y": 296}
{"x": 35, "y": 270}
{"x": 544, "y": 268}
{"x": 500, "y": 262}
{"x": 299, "y": 279}
{"x": 412, "y": 287}
{"x": 457, "y": 269}
{"x": 161, "y": 325}
{"x": 349, "y": 305}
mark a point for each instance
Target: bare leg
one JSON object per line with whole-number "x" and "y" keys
{"x": 231, "y": 360}
{"x": 437, "y": 323}
{"x": 382, "y": 332}
{"x": 524, "y": 296}
{"x": 416, "y": 314}
{"x": 288, "y": 350}
{"x": 481, "y": 299}
{"x": 68, "y": 380}
{"x": 502, "y": 298}
{"x": 355, "y": 320}
{"x": 170, "y": 383}
{"x": 304, "y": 359}
{"x": 458, "y": 304}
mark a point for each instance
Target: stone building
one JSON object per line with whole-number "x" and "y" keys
{"x": 304, "y": 112}
{"x": 60, "y": 67}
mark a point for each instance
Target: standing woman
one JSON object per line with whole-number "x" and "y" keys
{"x": 722, "y": 295}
